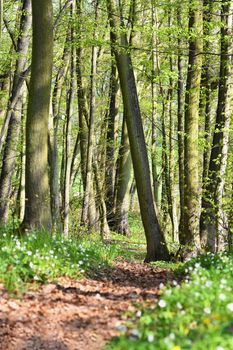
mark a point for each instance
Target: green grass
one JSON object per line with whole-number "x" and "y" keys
{"x": 39, "y": 257}
{"x": 196, "y": 315}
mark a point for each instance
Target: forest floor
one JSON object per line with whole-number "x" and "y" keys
{"x": 69, "y": 314}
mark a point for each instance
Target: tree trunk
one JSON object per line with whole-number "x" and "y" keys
{"x": 123, "y": 183}
{"x": 88, "y": 210}
{"x": 53, "y": 138}
{"x": 212, "y": 211}
{"x": 205, "y": 108}
{"x": 68, "y": 150}
{"x": 154, "y": 155}
{"x": 82, "y": 110}
{"x": 11, "y": 146}
{"x": 110, "y": 148}
{"x": 104, "y": 227}
{"x": 37, "y": 204}
{"x": 156, "y": 246}
{"x": 190, "y": 236}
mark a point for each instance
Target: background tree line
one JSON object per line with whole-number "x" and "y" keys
{"x": 112, "y": 106}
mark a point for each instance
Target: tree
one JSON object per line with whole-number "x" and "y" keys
{"x": 37, "y": 202}
{"x": 11, "y": 145}
{"x": 123, "y": 183}
{"x": 156, "y": 246}
{"x": 213, "y": 220}
{"x": 190, "y": 235}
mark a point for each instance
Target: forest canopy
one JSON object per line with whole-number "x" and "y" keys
{"x": 108, "y": 107}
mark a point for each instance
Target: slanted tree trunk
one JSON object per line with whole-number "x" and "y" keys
{"x": 37, "y": 203}
{"x": 156, "y": 246}
{"x": 212, "y": 212}
{"x": 11, "y": 146}
{"x": 190, "y": 236}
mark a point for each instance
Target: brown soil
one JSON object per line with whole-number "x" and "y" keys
{"x": 77, "y": 315}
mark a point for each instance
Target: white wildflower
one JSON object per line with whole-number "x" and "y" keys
{"x": 150, "y": 338}
{"x": 207, "y": 310}
{"x": 162, "y": 303}
{"x": 172, "y": 336}
{"x": 222, "y": 296}
{"x": 179, "y": 306}
{"x": 230, "y": 306}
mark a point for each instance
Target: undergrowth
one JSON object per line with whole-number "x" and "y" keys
{"x": 39, "y": 257}
{"x": 196, "y": 315}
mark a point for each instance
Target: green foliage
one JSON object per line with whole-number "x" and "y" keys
{"x": 39, "y": 257}
{"x": 195, "y": 315}
{"x": 136, "y": 227}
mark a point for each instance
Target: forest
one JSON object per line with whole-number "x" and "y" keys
{"x": 116, "y": 174}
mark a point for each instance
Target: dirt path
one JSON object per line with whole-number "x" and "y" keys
{"x": 77, "y": 315}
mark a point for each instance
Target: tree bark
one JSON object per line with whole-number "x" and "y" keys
{"x": 123, "y": 183}
{"x": 180, "y": 116}
{"x": 37, "y": 204}
{"x": 190, "y": 236}
{"x": 110, "y": 148}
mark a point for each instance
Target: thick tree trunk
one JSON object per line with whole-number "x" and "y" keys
{"x": 37, "y": 203}
{"x": 190, "y": 236}
{"x": 156, "y": 246}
